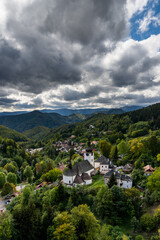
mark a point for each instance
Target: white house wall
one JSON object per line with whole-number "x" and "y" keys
{"x": 97, "y": 164}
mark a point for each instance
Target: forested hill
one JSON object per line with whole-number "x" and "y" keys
{"x": 134, "y": 124}
{"x": 30, "y": 120}
{"x": 150, "y": 113}
{"x": 6, "y": 132}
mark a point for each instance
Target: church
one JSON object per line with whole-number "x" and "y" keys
{"x": 81, "y": 172}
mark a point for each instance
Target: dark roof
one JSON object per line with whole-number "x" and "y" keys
{"x": 100, "y": 159}
{"x": 85, "y": 176}
{"x": 105, "y": 162}
{"x": 78, "y": 179}
{"x": 117, "y": 175}
{"x": 81, "y": 167}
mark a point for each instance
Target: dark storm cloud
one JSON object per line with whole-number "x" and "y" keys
{"x": 44, "y": 32}
{"x": 86, "y": 21}
{"x": 7, "y": 101}
{"x": 71, "y": 95}
{"x": 33, "y": 72}
{"x": 134, "y": 68}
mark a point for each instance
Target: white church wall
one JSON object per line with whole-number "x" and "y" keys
{"x": 68, "y": 179}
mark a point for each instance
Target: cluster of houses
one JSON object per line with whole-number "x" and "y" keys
{"x": 81, "y": 173}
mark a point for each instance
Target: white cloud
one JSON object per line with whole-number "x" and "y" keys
{"x": 134, "y": 6}
{"x": 147, "y": 20}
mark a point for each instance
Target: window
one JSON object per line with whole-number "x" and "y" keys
{"x": 102, "y": 166}
{"x": 87, "y": 154}
{"x": 69, "y": 181}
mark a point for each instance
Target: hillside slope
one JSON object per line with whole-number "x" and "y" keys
{"x": 37, "y": 133}
{"x": 6, "y": 132}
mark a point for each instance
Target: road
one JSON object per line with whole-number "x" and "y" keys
{"x": 2, "y": 204}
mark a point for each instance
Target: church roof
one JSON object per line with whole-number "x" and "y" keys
{"x": 78, "y": 179}
{"x": 79, "y": 167}
{"x": 85, "y": 176}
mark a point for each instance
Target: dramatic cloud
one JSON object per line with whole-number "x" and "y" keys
{"x": 70, "y": 53}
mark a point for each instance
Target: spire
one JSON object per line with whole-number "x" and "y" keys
{"x": 89, "y": 149}
{"x": 70, "y": 162}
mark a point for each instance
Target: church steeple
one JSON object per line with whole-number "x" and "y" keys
{"x": 89, "y": 149}
{"x": 89, "y": 155}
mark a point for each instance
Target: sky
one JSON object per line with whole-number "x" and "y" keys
{"x": 79, "y": 54}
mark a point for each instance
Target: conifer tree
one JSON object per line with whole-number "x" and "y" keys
{"x": 112, "y": 181}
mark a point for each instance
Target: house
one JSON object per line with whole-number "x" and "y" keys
{"x": 103, "y": 164}
{"x": 80, "y": 173}
{"x": 148, "y": 170}
{"x": 123, "y": 181}
{"x": 127, "y": 168}
{"x": 98, "y": 161}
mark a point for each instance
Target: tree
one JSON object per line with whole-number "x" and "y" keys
{"x": 104, "y": 203}
{"x": 5, "y": 227}
{"x": 122, "y": 148}
{"x": 105, "y": 148}
{"x": 114, "y": 154}
{"x": 86, "y": 225}
{"x": 63, "y": 227}
{"x": 52, "y": 175}
{"x": 135, "y": 223}
{"x": 12, "y": 178}
{"x": 7, "y": 189}
{"x": 28, "y": 173}
{"x": 2, "y": 179}
{"x": 139, "y": 237}
{"x": 112, "y": 181}
{"x": 154, "y": 181}
{"x": 147, "y": 222}
{"x": 10, "y": 168}
{"x": 26, "y": 195}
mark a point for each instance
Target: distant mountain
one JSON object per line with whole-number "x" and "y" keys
{"x": 6, "y": 132}
{"x": 33, "y": 119}
{"x": 131, "y": 108}
{"x": 12, "y": 113}
{"x": 90, "y": 111}
{"x": 115, "y": 111}
{"x": 68, "y": 112}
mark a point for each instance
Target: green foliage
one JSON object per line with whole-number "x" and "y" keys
{"x": 52, "y": 175}
{"x": 85, "y": 223}
{"x": 12, "y": 178}
{"x": 28, "y": 173}
{"x": 112, "y": 181}
{"x": 105, "y": 148}
{"x": 122, "y": 147}
{"x": 104, "y": 203}
{"x": 6, "y": 132}
{"x": 63, "y": 227}
{"x": 154, "y": 181}
{"x": 5, "y": 227}
{"x": 147, "y": 222}
{"x": 10, "y": 168}
{"x": 139, "y": 237}
{"x": 8, "y": 188}
{"x": 2, "y": 179}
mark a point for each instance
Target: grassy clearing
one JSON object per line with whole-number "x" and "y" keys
{"x": 97, "y": 181}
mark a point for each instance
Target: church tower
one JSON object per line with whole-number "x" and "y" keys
{"x": 89, "y": 155}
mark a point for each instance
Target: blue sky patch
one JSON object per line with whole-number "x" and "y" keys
{"x": 146, "y": 23}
